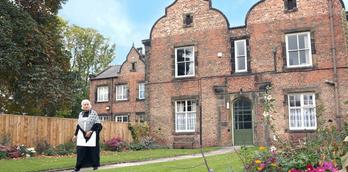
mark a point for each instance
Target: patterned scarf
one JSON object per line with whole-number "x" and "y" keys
{"x": 87, "y": 123}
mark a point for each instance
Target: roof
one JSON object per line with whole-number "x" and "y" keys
{"x": 109, "y": 72}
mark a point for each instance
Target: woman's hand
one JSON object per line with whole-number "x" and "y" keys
{"x": 89, "y": 133}
{"x": 73, "y": 139}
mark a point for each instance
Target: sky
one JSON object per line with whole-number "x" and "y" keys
{"x": 126, "y": 22}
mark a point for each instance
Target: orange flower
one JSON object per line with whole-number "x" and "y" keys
{"x": 259, "y": 168}
{"x": 274, "y": 164}
{"x": 262, "y": 148}
{"x": 258, "y": 161}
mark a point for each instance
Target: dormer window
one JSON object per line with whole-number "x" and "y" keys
{"x": 290, "y": 5}
{"x": 188, "y": 20}
{"x": 133, "y": 69}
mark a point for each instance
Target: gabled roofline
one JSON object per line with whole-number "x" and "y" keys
{"x": 166, "y": 12}
{"x": 139, "y": 56}
{"x": 259, "y": 2}
{"x": 103, "y": 71}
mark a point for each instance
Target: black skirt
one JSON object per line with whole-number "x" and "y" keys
{"x": 89, "y": 156}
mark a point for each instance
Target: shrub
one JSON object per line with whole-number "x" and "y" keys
{"x": 136, "y": 146}
{"x": 115, "y": 144}
{"x": 3, "y": 155}
{"x": 50, "y": 152}
{"x": 138, "y": 131}
{"x": 5, "y": 139}
{"x": 42, "y": 146}
{"x": 14, "y": 153}
{"x": 28, "y": 152}
{"x": 65, "y": 149}
{"x": 148, "y": 142}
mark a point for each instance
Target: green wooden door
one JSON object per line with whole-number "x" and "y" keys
{"x": 242, "y": 116}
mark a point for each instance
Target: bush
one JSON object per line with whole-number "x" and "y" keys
{"x": 138, "y": 131}
{"x": 5, "y": 139}
{"x": 28, "y": 152}
{"x": 50, "y": 152}
{"x": 65, "y": 149}
{"x": 136, "y": 146}
{"x": 42, "y": 146}
{"x": 3, "y": 155}
{"x": 148, "y": 142}
{"x": 14, "y": 153}
{"x": 115, "y": 144}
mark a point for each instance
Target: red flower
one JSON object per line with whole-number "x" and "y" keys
{"x": 309, "y": 167}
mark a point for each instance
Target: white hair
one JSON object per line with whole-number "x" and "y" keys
{"x": 86, "y": 101}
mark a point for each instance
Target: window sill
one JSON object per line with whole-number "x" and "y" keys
{"x": 140, "y": 100}
{"x": 240, "y": 73}
{"x": 291, "y": 10}
{"x": 184, "y": 133}
{"x": 298, "y": 69}
{"x": 301, "y": 131}
{"x": 100, "y": 102}
{"x": 119, "y": 101}
{"x": 184, "y": 78}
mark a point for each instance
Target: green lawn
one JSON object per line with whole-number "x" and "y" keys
{"x": 46, "y": 163}
{"x": 227, "y": 162}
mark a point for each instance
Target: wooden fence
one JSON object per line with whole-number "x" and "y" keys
{"x": 29, "y": 130}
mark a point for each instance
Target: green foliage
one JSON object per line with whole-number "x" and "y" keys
{"x": 42, "y": 146}
{"x": 89, "y": 53}
{"x": 33, "y": 63}
{"x": 3, "y": 155}
{"x": 5, "y": 139}
{"x": 65, "y": 149}
{"x": 138, "y": 131}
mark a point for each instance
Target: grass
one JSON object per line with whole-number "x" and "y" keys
{"x": 48, "y": 163}
{"x": 225, "y": 162}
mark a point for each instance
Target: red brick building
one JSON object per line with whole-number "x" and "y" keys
{"x": 205, "y": 78}
{"x": 118, "y": 92}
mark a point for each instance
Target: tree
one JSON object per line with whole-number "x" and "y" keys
{"x": 89, "y": 53}
{"x": 34, "y": 68}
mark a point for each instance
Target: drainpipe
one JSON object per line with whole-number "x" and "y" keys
{"x": 334, "y": 61}
{"x": 111, "y": 96}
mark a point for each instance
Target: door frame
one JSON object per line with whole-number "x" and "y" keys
{"x": 235, "y": 98}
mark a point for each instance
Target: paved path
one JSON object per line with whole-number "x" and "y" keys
{"x": 183, "y": 157}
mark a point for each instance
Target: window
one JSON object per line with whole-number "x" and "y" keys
{"x": 184, "y": 62}
{"x": 105, "y": 118}
{"x": 141, "y": 95}
{"x": 133, "y": 67}
{"x": 103, "y": 94}
{"x": 121, "y": 118}
{"x": 240, "y": 56}
{"x": 290, "y": 4}
{"x": 188, "y": 19}
{"x": 185, "y": 116}
{"x": 140, "y": 117}
{"x": 298, "y": 50}
{"x": 302, "y": 113}
{"x": 121, "y": 92}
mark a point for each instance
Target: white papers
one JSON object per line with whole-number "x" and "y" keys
{"x": 81, "y": 141}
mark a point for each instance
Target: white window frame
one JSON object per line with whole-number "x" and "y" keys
{"x": 236, "y": 56}
{"x": 124, "y": 92}
{"x": 176, "y": 62}
{"x": 186, "y": 117}
{"x": 105, "y": 118}
{"x": 121, "y": 117}
{"x": 302, "y": 107}
{"x": 298, "y": 50}
{"x": 102, "y": 94}
{"x": 141, "y": 93}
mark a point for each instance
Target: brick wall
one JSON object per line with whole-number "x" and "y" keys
{"x": 126, "y": 76}
{"x": 266, "y": 26}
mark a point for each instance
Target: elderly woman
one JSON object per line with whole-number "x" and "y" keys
{"x": 87, "y": 136}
